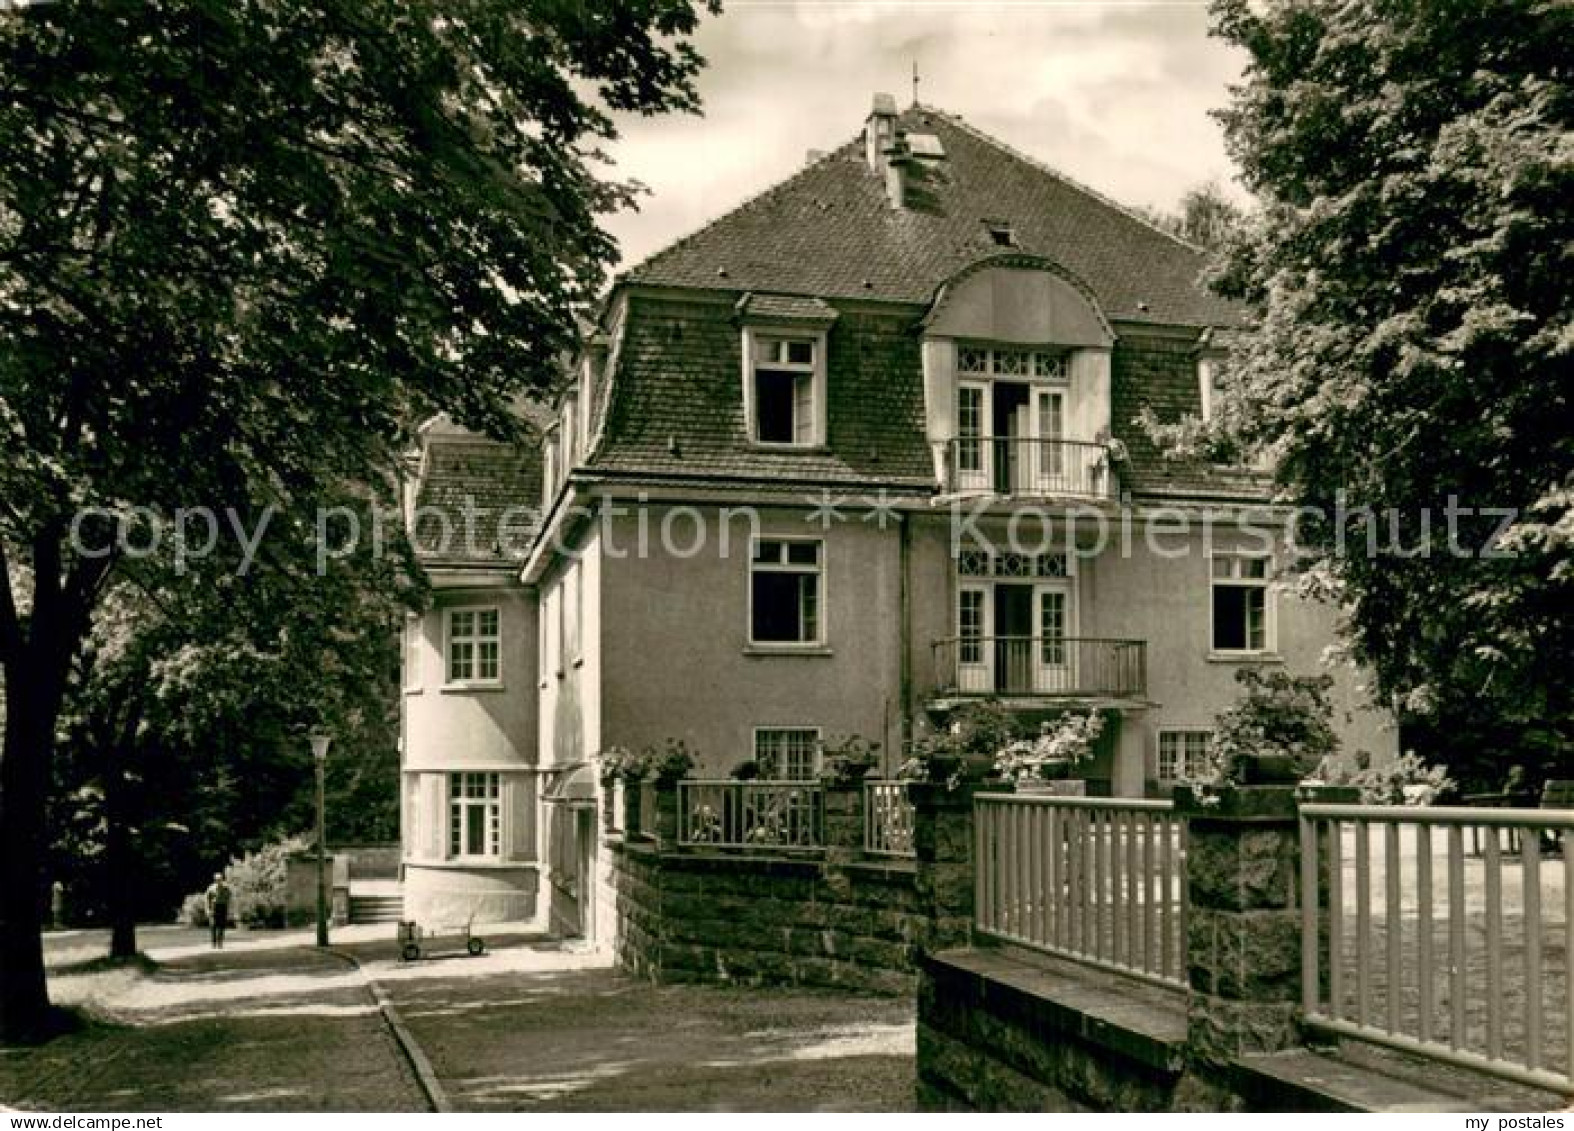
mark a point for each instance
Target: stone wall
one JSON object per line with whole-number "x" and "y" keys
{"x": 710, "y": 917}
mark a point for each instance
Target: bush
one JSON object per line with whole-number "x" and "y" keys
{"x": 257, "y": 887}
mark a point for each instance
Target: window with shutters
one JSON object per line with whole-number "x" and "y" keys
{"x": 785, "y": 388}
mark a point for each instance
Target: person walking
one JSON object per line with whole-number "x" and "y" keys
{"x": 218, "y": 900}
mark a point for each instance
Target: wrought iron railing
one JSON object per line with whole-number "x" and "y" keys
{"x": 888, "y": 819}
{"x": 1415, "y": 943}
{"x": 750, "y": 814}
{"x": 1030, "y": 468}
{"x": 1096, "y": 880}
{"x": 1041, "y": 665}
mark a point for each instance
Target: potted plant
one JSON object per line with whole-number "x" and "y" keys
{"x": 1048, "y": 763}
{"x": 672, "y": 763}
{"x": 846, "y": 763}
{"x": 1278, "y": 733}
{"x": 962, "y": 750}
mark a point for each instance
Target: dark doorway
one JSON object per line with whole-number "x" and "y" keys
{"x": 1009, "y": 411}
{"x": 1013, "y": 638}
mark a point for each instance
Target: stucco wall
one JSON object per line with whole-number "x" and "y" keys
{"x": 492, "y": 727}
{"x": 676, "y": 662}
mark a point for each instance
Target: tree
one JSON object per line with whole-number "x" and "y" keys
{"x": 182, "y": 740}
{"x": 1408, "y": 372}
{"x": 1205, "y": 217}
{"x": 243, "y": 246}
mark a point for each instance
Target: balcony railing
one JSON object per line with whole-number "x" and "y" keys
{"x": 1056, "y": 666}
{"x": 750, "y": 814}
{"x": 1027, "y": 468}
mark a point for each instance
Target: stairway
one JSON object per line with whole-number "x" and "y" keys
{"x": 376, "y": 908}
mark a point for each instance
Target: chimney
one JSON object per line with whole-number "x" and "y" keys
{"x": 899, "y": 161}
{"x": 879, "y": 131}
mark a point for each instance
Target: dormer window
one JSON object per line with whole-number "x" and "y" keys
{"x": 785, "y": 387}
{"x": 1003, "y": 234}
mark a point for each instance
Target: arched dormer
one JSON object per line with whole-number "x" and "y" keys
{"x": 1016, "y": 358}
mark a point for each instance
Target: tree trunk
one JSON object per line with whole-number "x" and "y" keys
{"x": 31, "y": 706}
{"x": 119, "y": 862}
{"x": 120, "y": 857}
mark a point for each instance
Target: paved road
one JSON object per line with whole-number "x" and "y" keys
{"x": 271, "y": 1024}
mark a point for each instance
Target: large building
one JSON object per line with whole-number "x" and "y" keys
{"x": 856, "y": 453}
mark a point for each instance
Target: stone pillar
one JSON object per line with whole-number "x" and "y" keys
{"x": 1243, "y": 945}
{"x": 666, "y": 829}
{"x": 943, "y": 842}
{"x": 844, "y": 820}
{"x": 609, "y": 806}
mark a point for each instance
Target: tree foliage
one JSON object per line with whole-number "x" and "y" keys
{"x": 244, "y": 246}
{"x": 1409, "y": 270}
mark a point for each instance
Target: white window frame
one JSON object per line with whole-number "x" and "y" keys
{"x": 459, "y": 814}
{"x": 410, "y": 655}
{"x": 816, "y": 754}
{"x": 476, "y": 639}
{"x": 1207, "y": 374}
{"x": 819, "y": 569}
{"x": 1182, "y": 734}
{"x": 755, "y": 339}
{"x": 1237, "y": 578}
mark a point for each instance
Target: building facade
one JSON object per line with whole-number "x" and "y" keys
{"x": 857, "y": 453}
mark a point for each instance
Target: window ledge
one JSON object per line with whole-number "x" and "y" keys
{"x": 787, "y": 650}
{"x": 1245, "y": 658}
{"x": 467, "y": 688}
{"x": 414, "y": 690}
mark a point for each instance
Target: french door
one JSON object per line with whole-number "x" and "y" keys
{"x": 1047, "y": 428}
{"x": 1053, "y": 662}
{"x": 974, "y": 457}
{"x": 975, "y": 660}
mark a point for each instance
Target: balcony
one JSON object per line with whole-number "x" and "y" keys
{"x": 1015, "y": 467}
{"x": 1040, "y": 668}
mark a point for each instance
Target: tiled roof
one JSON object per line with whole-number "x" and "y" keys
{"x": 498, "y": 484}
{"x": 829, "y": 231}
{"x": 677, "y": 401}
{"x": 786, "y": 308}
{"x": 1161, "y": 375}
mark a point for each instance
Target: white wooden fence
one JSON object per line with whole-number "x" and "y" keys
{"x": 1416, "y": 944}
{"x": 1098, "y": 880}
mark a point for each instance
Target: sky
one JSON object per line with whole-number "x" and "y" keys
{"x": 1113, "y": 93}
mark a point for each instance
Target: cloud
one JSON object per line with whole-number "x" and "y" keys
{"x": 1113, "y": 94}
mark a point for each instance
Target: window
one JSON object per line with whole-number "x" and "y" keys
{"x": 1240, "y": 603}
{"x": 1052, "y": 628}
{"x": 970, "y": 427}
{"x": 412, "y": 654}
{"x": 1183, "y": 754}
{"x": 1210, "y": 382}
{"x": 475, "y": 815}
{"x": 970, "y": 625}
{"x": 1013, "y": 362}
{"x": 786, "y": 389}
{"x": 474, "y": 654}
{"x": 1001, "y": 233}
{"x": 784, "y": 591}
{"x": 787, "y": 753}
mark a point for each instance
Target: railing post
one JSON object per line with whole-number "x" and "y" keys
{"x": 666, "y": 813}
{"x": 943, "y": 851}
{"x": 632, "y": 790}
{"x": 844, "y": 818}
{"x": 1243, "y": 937}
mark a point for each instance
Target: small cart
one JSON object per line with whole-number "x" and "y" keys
{"x": 417, "y": 942}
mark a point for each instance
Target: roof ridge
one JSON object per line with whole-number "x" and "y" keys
{"x": 748, "y": 202}
{"x": 1027, "y": 158}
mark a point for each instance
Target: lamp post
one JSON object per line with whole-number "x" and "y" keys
{"x": 320, "y": 741}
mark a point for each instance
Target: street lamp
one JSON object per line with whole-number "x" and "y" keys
{"x": 320, "y": 741}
